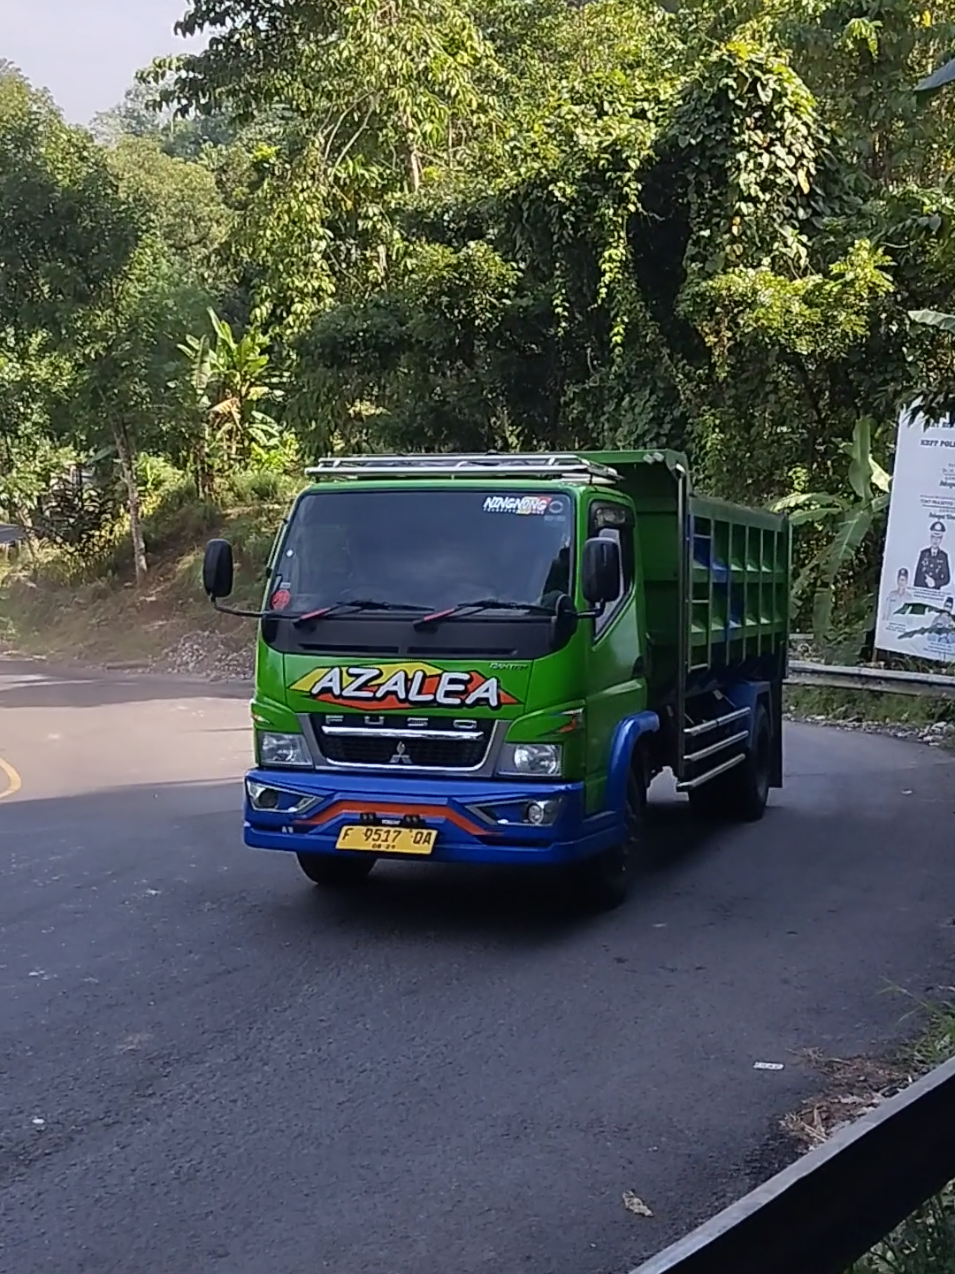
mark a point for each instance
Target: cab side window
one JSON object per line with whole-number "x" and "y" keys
{"x": 615, "y": 522}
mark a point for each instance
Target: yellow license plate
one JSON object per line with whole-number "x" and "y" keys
{"x": 387, "y": 840}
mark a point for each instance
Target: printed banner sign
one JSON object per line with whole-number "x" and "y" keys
{"x": 917, "y": 592}
{"x": 402, "y": 685}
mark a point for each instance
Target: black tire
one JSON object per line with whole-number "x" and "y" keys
{"x": 604, "y": 880}
{"x": 335, "y": 873}
{"x": 740, "y": 795}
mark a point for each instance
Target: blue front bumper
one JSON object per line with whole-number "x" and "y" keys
{"x": 446, "y": 804}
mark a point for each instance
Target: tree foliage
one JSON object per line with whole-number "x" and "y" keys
{"x": 496, "y": 224}
{"x": 65, "y": 228}
{"x": 140, "y": 116}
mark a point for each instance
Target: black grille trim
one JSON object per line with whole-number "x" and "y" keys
{"x": 399, "y": 743}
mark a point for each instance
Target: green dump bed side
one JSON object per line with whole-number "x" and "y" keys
{"x": 716, "y": 577}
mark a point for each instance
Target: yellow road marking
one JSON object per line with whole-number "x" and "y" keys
{"x": 14, "y": 782}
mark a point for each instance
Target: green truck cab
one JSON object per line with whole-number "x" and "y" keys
{"x": 488, "y": 658}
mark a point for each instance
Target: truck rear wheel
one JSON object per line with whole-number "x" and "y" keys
{"x": 335, "y": 873}
{"x": 604, "y": 880}
{"x": 740, "y": 795}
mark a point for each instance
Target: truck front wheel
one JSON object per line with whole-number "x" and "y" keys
{"x": 604, "y": 880}
{"x": 334, "y": 873}
{"x": 741, "y": 794}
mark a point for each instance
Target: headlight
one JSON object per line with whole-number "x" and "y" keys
{"x": 539, "y": 759}
{"x": 283, "y": 750}
{"x": 275, "y": 800}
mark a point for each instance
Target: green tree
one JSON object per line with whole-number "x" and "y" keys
{"x": 372, "y": 99}
{"x": 128, "y": 344}
{"x": 65, "y": 228}
{"x": 140, "y": 115}
{"x": 182, "y": 204}
{"x": 102, "y": 260}
{"x": 122, "y": 401}
{"x": 68, "y": 237}
{"x": 35, "y": 385}
{"x": 862, "y": 59}
{"x": 504, "y": 321}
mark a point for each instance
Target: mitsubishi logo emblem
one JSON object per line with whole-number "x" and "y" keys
{"x": 401, "y": 755}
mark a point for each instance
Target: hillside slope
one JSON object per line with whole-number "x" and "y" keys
{"x": 88, "y": 611}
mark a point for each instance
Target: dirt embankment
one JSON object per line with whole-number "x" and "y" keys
{"x": 156, "y": 629}
{"x": 90, "y": 612}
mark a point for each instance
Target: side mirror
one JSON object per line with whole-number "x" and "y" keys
{"x": 600, "y": 571}
{"x": 217, "y": 569}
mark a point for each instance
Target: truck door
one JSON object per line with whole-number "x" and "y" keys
{"x": 616, "y": 684}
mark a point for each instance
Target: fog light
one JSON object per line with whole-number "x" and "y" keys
{"x": 266, "y": 798}
{"x": 541, "y": 813}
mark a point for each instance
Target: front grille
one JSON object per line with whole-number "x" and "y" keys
{"x": 424, "y": 743}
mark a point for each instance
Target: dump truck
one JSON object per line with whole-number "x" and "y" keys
{"x": 488, "y": 658}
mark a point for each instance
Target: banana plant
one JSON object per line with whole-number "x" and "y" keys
{"x": 229, "y": 381}
{"x": 851, "y": 517}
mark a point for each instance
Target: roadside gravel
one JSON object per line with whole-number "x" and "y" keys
{"x": 940, "y": 734}
{"x": 206, "y": 654}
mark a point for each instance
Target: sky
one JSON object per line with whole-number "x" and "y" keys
{"x": 86, "y": 52}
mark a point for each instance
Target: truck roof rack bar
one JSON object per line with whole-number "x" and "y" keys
{"x": 489, "y": 465}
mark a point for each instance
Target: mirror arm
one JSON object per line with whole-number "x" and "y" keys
{"x": 569, "y": 611}
{"x": 242, "y": 614}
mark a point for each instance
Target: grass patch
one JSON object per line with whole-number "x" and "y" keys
{"x": 936, "y": 1044}
{"x": 857, "y": 707}
{"x": 923, "y": 1244}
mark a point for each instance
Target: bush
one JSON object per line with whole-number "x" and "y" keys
{"x": 156, "y": 475}
{"x": 76, "y": 517}
{"x": 178, "y": 520}
{"x": 923, "y": 1244}
{"x": 262, "y": 486}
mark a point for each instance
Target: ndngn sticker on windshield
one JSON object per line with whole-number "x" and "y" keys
{"x": 525, "y": 504}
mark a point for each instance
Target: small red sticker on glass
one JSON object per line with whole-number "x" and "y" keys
{"x": 281, "y": 599}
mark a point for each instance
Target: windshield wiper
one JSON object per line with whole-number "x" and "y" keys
{"x": 483, "y": 603}
{"x": 359, "y": 604}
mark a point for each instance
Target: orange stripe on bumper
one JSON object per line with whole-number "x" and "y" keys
{"x": 394, "y": 810}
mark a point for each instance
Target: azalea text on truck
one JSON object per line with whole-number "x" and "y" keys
{"x": 488, "y": 658}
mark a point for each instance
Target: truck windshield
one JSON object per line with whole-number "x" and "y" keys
{"x": 425, "y": 549}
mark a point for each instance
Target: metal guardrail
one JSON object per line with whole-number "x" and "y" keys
{"x": 837, "y": 1202}
{"x": 928, "y": 685}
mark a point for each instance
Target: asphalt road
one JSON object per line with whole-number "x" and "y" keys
{"x": 206, "y": 1064}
